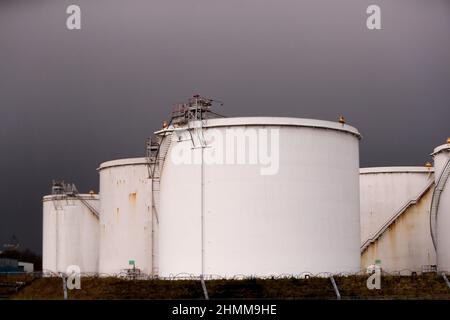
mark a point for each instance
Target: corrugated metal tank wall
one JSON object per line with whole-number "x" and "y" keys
{"x": 126, "y": 216}
{"x": 303, "y": 218}
{"x": 385, "y": 193}
{"x": 441, "y": 157}
{"x": 70, "y": 233}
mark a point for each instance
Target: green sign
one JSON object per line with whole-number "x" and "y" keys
{"x": 378, "y": 262}
{"x": 131, "y": 262}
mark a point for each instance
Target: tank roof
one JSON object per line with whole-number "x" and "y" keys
{"x": 123, "y": 162}
{"x": 271, "y": 121}
{"x": 396, "y": 170}
{"x": 443, "y": 147}
{"x": 84, "y": 196}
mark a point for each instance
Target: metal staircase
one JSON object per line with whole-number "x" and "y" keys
{"x": 440, "y": 185}
{"x": 63, "y": 191}
{"x": 157, "y": 150}
{"x": 156, "y": 160}
{"x": 88, "y": 205}
{"x": 402, "y": 210}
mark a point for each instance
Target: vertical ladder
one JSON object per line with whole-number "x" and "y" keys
{"x": 157, "y": 150}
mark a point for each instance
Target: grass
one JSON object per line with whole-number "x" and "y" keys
{"x": 428, "y": 286}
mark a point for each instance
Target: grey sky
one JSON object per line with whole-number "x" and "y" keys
{"x": 72, "y": 99}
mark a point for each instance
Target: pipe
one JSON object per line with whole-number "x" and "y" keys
{"x": 205, "y": 291}
{"x": 446, "y": 280}
{"x": 64, "y": 285}
{"x": 336, "y": 290}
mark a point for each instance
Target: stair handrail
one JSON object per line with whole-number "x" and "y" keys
{"x": 393, "y": 218}
{"x": 87, "y": 204}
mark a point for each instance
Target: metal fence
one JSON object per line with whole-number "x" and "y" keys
{"x": 125, "y": 274}
{"x": 137, "y": 275}
{"x": 15, "y": 281}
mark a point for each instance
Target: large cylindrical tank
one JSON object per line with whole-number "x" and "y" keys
{"x": 260, "y": 196}
{"x": 395, "y": 208}
{"x": 126, "y": 217}
{"x": 70, "y": 232}
{"x": 441, "y": 156}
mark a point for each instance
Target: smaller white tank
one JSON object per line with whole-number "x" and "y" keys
{"x": 126, "y": 223}
{"x": 70, "y": 232}
{"x": 395, "y": 210}
{"x": 441, "y": 205}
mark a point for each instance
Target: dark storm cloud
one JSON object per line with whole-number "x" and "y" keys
{"x": 72, "y": 99}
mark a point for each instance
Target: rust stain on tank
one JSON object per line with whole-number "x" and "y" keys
{"x": 132, "y": 198}
{"x": 399, "y": 239}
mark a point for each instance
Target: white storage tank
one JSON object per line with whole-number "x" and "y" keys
{"x": 441, "y": 201}
{"x": 260, "y": 196}
{"x": 70, "y": 232}
{"x": 395, "y": 209}
{"x": 126, "y": 217}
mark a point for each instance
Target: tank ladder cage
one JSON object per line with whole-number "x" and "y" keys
{"x": 394, "y": 218}
{"x": 439, "y": 187}
{"x": 153, "y": 145}
{"x": 153, "y": 152}
{"x": 157, "y": 149}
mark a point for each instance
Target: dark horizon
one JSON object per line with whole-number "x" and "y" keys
{"x": 70, "y": 100}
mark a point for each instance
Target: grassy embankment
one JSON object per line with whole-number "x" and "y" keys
{"x": 430, "y": 286}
